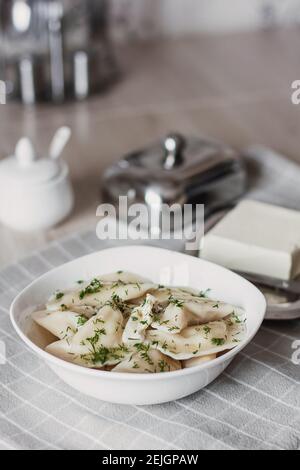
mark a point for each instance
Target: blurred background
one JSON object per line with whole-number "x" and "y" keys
{"x": 146, "y": 19}
{"x": 122, "y": 74}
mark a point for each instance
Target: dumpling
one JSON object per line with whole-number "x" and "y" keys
{"x": 97, "y": 294}
{"x": 174, "y": 319}
{"x": 97, "y": 343}
{"x": 62, "y": 350}
{"x": 60, "y": 324}
{"x": 147, "y": 361}
{"x": 197, "y": 361}
{"x": 163, "y": 293}
{"x": 198, "y": 309}
{"x": 108, "y": 323}
{"x": 180, "y": 314}
{"x": 209, "y": 310}
{"x": 139, "y": 320}
{"x": 81, "y": 310}
{"x": 198, "y": 340}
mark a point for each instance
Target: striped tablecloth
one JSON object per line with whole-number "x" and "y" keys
{"x": 255, "y": 404}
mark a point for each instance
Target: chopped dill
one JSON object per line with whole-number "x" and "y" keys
{"x": 116, "y": 303}
{"x": 143, "y": 350}
{"x": 93, "y": 288}
{"x": 236, "y": 318}
{"x": 218, "y": 341}
{"x": 81, "y": 320}
{"x": 176, "y": 302}
{"x": 206, "y": 329}
{"x": 204, "y": 293}
{"x": 163, "y": 366}
{"x": 173, "y": 328}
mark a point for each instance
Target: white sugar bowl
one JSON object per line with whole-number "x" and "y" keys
{"x": 35, "y": 193}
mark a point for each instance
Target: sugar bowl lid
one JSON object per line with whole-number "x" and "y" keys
{"x": 24, "y": 167}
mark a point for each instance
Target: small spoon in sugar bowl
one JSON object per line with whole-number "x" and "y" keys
{"x": 59, "y": 141}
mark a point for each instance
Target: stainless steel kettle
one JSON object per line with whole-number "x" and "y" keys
{"x": 55, "y": 49}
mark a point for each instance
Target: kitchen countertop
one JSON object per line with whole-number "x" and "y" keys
{"x": 236, "y": 88}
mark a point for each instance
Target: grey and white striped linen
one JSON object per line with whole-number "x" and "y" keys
{"x": 255, "y": 404}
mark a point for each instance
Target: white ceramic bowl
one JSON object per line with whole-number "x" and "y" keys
{"x": 161, "y": 266}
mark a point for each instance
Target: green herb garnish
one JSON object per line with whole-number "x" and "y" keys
{"x": 203, "y": 293}
{"x": 173, "y": 328}
{"x": 81, "y": 320}
{"x": 163, "y": 366}
{"x": 143, "y": 350}
{"x": 218, "y": 341}
{"x": 176, "y": 302}
{"x": 236, "y": 318}
{"x": 206, "y": 329}
{"x": 93, "y": 288}
{"x": 94, "y": 339}
{"x": 116, "y": 303}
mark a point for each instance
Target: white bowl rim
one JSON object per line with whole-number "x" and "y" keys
{"x": 127, "y": 375}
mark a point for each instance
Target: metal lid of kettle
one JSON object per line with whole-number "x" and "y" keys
{"x": 24, "y": 167}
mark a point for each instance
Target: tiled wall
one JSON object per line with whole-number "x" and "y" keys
{"x": 144, "y": 18}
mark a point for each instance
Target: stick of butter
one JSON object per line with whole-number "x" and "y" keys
{"x": 257, "y": 238}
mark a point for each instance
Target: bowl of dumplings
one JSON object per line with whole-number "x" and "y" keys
{"x": 137, "y": 324}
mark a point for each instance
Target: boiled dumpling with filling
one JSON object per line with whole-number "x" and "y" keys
{"x": 60, "y": 324}
{"x": 174, "y": 319}
{"x": 163, "y": 294}
{"x": 139, "y": 320}
{"x": 195, "y": 309}
{"x": 97, "y": 343}
{"x": 198, "y": 340}
{"x": 97, "y": 294}
{"x": 209, "y": 310}
{"x": 180, "y": 314}
{"x": 147, "y": 361}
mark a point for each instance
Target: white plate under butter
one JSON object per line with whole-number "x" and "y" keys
{"x": 161, "y": 266}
